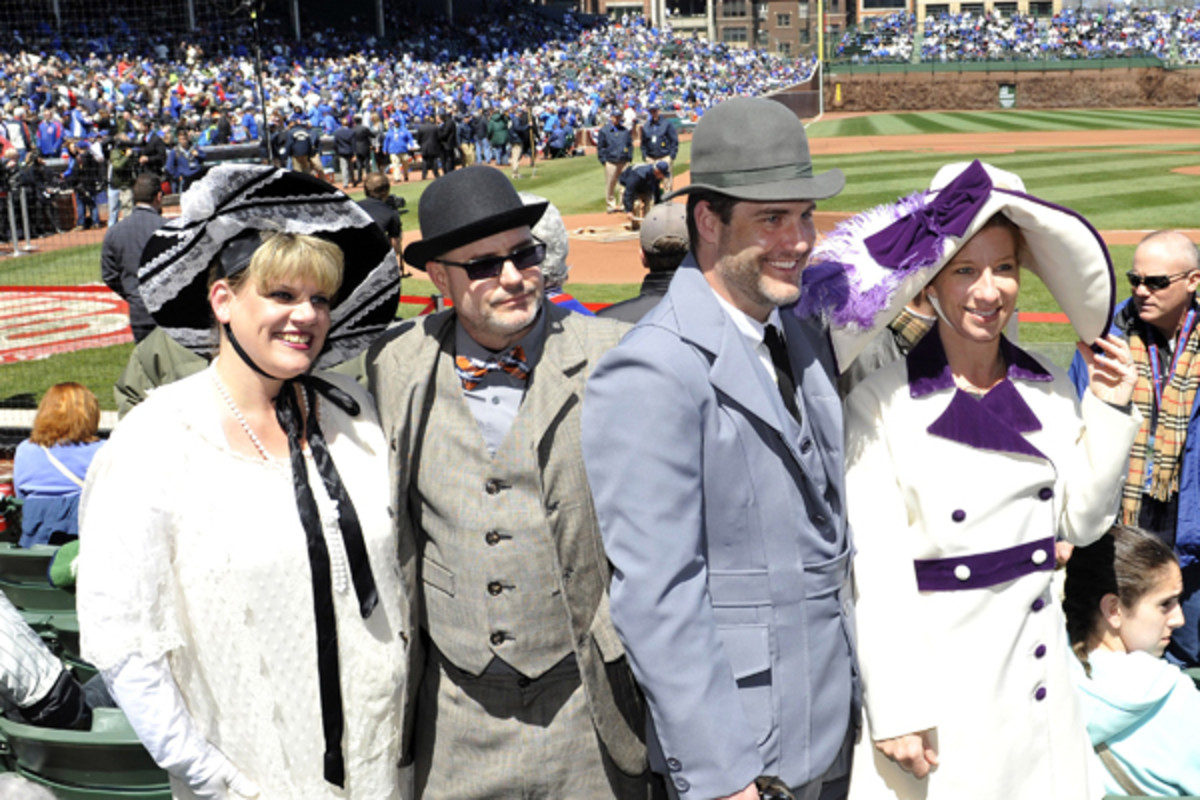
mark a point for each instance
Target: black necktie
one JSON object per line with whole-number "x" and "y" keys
{"x": 783, "y": 370}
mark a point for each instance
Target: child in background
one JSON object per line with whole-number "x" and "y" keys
{"x": 1122, "y": 603}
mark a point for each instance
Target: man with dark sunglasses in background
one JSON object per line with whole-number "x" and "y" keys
{"x": 518, "y": 681}
{"x": 1161, "y": 321}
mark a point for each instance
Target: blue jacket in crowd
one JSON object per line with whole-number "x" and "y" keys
{"x": 614, "y": 144}
{"x": 659, "y": 139}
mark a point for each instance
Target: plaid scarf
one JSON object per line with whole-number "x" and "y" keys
{"x": 908, "y": 328}
{"x": 1170, "y": 431}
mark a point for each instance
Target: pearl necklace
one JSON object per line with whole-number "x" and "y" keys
{"x": 237, "y": 414}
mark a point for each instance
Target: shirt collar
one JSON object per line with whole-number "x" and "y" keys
{"x": 531, "y": 342}
{"x": 747, "y": 325}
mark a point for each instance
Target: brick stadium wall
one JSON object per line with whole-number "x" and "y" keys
{"x": 944, "y": 89}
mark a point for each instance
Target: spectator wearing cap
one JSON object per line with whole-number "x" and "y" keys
{"x": 303, "y": 147}
{"x": 660, "y": 142}
{"x": 525, "y": 688}
{"x": 614, "y": 148}
{"x": 643, "y": 189}
{"x": 664, "y": 240}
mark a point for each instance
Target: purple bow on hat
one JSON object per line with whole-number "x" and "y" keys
{"x": 915, "y": 240}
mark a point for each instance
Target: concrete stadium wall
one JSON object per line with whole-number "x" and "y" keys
{"x": 1059, "y": 88}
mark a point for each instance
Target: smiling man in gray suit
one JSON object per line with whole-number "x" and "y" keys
{"x": 526, "y": 691}
{"x": 712, "y": 437}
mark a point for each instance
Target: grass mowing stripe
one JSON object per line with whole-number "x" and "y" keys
{"x": 1052, "y": 121}
{"x": 1030, "y": 120}
{"x": 1098, "y": 119}
{"x": 854, "y": 126}
{"x": 923, "y": 123}
{"x": 1166, "y": 118}
{"x": 1136, "y": 121}
{"x": 999, "y": 123}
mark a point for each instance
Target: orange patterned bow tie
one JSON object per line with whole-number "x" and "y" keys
{"x": 472, "y": 370}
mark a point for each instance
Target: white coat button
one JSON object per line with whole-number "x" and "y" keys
{"x": 962, "y": 572}
{"x": 1039, "y": 556}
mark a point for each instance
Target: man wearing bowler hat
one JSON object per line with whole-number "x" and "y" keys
{"x": 712, "y": 437}
{"x": 526, "y": 692}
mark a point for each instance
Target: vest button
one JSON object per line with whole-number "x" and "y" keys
{"x": 492, "y": 537}
{"x": 494, "y": 588}
{"x": 498, "y": 638}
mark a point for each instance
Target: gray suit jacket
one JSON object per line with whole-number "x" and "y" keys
{"x": 400, "y": 372}
{"x": 724, "y": 522}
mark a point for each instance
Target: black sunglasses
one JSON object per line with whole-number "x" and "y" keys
{"x": 490, "y": 266}
{"x": 1155, "y": 282}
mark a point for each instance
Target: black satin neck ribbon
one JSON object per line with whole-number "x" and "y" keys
{"x": 291, "y": 418}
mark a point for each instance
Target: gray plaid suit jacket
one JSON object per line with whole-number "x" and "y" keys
{"x": 400, "y": 372}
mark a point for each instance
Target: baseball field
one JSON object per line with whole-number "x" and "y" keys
{"x": 1129, "y": 172}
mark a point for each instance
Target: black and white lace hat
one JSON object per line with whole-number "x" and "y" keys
{"x": 233, "y": 199}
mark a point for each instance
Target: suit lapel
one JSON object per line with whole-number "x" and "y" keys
{"x": 552, "y": 386}
{"x": 734, "y": 370}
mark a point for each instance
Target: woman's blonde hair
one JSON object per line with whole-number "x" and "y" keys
{"x": 288, "y": 256}
{"x": 68, "y": 414}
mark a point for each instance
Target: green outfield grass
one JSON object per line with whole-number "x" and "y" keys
{"x": 1128, "y": 187}
{"x": 1123, "y": 189}
{"x": 909, "y": 124}
{"x": 70, "y": 266}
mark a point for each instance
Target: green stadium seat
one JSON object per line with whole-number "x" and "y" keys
{"x": 37, "y": 597}
{"x": 25, "y": 565}
{"x": 106, "y": 761}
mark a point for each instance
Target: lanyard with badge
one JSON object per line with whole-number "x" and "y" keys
{"x": 1180, "y": 343}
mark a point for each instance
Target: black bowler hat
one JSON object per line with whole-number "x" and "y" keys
{"x": 465, "y": 206}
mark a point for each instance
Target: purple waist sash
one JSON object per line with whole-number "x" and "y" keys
{"x": 981, "y": 570}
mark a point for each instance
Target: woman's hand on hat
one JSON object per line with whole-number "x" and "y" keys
{"x": 1111, "y": 373}
{"x": 914, "y": 752}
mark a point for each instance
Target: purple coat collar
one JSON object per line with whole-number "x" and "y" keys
{"x": 998, "y": 420}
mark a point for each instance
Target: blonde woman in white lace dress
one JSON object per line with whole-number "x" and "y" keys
{"x": 239, "y": 587}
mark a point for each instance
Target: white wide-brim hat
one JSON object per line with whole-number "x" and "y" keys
{"x": 863, "y": 273}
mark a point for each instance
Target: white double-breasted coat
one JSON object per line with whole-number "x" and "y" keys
{"x": 956, "y": 502}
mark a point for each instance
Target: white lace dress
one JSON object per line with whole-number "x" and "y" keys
{"x": 195, "y": 552}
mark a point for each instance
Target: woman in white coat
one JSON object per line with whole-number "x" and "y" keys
{"x": 967, "y": 461}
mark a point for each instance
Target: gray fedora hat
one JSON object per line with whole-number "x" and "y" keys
{"x": 752, "y": 148}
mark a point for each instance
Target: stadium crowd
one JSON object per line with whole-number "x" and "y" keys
{"x": 112, "y": 79}
{"x": 1168, "y": 34}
